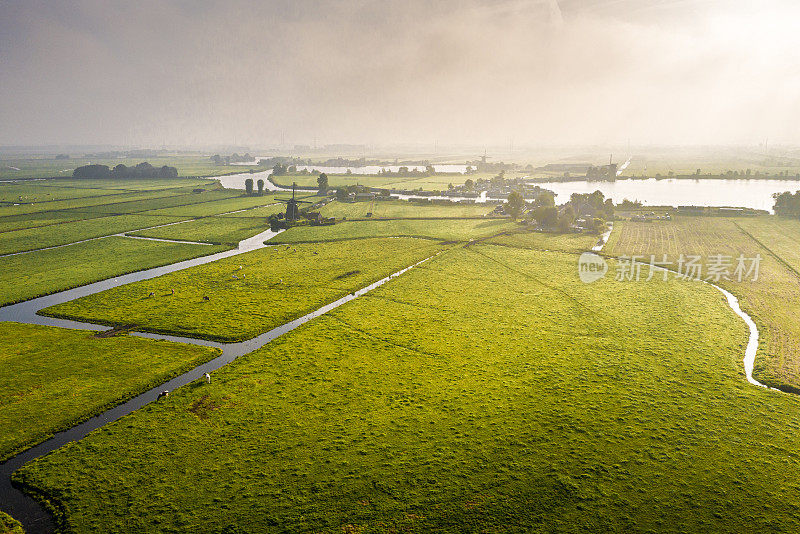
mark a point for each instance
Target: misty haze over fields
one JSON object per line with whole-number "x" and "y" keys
{"x": 357, "y": 71}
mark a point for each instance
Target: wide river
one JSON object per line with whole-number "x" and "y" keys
{"x": 755, "y": 194}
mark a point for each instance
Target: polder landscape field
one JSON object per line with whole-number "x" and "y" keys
{"x": 486, "y": 389}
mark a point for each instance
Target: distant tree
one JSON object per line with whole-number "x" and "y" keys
{"x": 217, "y": 159}
{"x": 787, "y": 204}
{"x": 92, "y": 171}
{"x": 545, "y": 198}
{"x": 450, "y": 186}
{"x": 430, "y": 170}
{"x": 248, "y": 186}
{"x": 62, "y": 156}
{"x": 469, "y": 184}
{"x": 546, "y": 216}
{"x": 260, "y": 184}
{"x": 515, "y": 204}
{"x": 565, "y": 219}
{"x": 322, "y": 183}
{"x": 167, "y": 172}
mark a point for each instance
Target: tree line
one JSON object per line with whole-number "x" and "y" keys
{"x": 141, "y": 170}
{"x": 787, "y": 204}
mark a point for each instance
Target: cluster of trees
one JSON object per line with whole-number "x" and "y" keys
{"x": 248, "y": 186}
{"x": 142, "y": 170}
{"x": 343, "y": 193}
{"x": 322, "y": 184}
{"x": 599, "y": 173}
{"x": 787, "y": 204}
{"x": 233, "y": 158}
{"x": 405, "y": 171}
{"x": 587, "y": 211}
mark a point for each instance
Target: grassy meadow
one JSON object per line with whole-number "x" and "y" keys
{"x": 70, "y": 232}
{"x": 9, "y": 525}
{"x": 218, "y": 207}
{"x": 400, "y": 209}
{"x": 20, "y": 167}
{"x": 773, "y": 301}
{"x": 53, "y": 377}
{"x": 444, "y": 229}
{"x": 522, "y": 238}
{"x": 30, "y": 275}
{"x": 217, "y": 230}
{"x": 488, "y": 390}
{"x": 274, "y": 286}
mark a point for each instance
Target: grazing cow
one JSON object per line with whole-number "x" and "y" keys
{"x": 240, "y": 267}
{"x": 234, "y": 277}
{"x": 163, "y": 394}
{"x": 244, "y": 275}
{"x": 206, "y": 298}
{"x": 172, "y": 291}
{"x": 151, "y": 295}
{"x": 208, "y": 378}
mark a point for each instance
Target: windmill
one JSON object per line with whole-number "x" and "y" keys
{"x": 292, "y": 207}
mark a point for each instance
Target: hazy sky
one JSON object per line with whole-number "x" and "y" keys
{"x": 411, "y": 71}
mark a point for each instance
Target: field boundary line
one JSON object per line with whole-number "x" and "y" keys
{"x": 769, "y": 250}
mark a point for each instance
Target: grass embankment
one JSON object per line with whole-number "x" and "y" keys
{"x": 53, "y": 377}
{"x": 444, "y": 229}
{"x": 9, "y": 525}
{"x": 485, "y": 391}
{"x": 274, "y": 286}
{"x": 773, "y": 301}
{"x": 34, "y": 274}
{"x": 399, "y": 209}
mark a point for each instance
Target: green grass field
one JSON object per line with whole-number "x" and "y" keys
{"x": 9, "y": 525}
{"x": 54, "y": 377}
{"x": 36, "y": 220}
{"x": 37, "y": 191}
{"x": 155, "y": 205}
{"x": 47, "y": 167}
{"x": 218, "y": 230}
{"x": 773, "y": 300}
{"x": 274, "y": 286}
{"x": 546, "y": 241}
{"x": 399, "y": 209}
{"x": 34, "y": 274}
{"x": 447, "y": 230}
{"x": 215, "y": 208}
{"x": 84, "y": 203}
{"x": 485, "y": 391}
{"x": 49, "y": 236}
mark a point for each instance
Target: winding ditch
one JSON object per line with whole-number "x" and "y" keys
{"x": 35, "y": 518}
